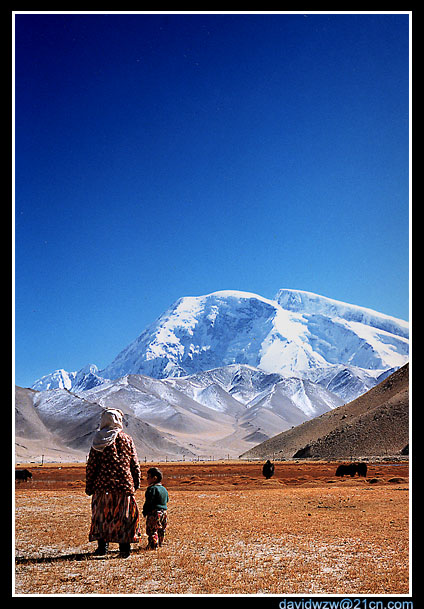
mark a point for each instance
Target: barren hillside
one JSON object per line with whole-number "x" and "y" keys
{"x": 376, "y": 423}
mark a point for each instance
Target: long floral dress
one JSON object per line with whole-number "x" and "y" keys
{"x": 112, "y": 477}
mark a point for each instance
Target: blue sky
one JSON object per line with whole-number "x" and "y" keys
{"x": 168, "y": 155}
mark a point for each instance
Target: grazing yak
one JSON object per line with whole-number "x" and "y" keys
{"x": 361, "y": 468}
{"x": 22, "y": 474}
{"x": 351, "y": 469}
{"x": 268, "y": 469}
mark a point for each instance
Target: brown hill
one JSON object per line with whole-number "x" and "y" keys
{"x": 375, "y": 424}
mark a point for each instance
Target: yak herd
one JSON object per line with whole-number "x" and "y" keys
{"x": 268, "y": 469}
{"x": 349, "y": 469}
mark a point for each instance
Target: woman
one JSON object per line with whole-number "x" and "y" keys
{"x": 112, "y": 477}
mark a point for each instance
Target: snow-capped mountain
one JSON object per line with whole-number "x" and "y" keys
{"x": 86, "y": 378}
{"x": 220, "y": 373}
{"x": 300, "y": 301}
{"x": 342, "y": 347}
{"x": 294, "y": 334}
{"x": 59, "y": 379}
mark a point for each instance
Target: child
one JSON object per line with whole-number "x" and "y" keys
{"x": 155, "y": 508}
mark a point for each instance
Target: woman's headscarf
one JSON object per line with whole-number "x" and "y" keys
{"x": 110, "y": 426}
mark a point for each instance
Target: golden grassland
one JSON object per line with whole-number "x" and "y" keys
{"x": 230, "y": 532}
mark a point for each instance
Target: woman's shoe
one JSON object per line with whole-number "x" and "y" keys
{"x": 124, "y": 550}
{"x": 102, "y": 548}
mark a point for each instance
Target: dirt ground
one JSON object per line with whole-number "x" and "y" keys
{"x": 230, "y": 531}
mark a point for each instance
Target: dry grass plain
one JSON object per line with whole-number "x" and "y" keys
{"x": 230, "y": 532}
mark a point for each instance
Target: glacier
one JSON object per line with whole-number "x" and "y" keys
{"x": 297, "y": 333}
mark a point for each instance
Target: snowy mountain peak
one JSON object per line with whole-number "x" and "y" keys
{"x": 86, "y": 378}
{"x": 300, "y": 301}
{"x": 291, "y": 335}
{"x": 59, "y": 379}
{"x": 229, "y": 369}
{"x": 297, "y": 334}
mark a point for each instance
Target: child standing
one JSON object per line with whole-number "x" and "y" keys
{"x": 155, "y": 508}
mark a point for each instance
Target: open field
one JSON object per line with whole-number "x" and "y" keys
{"x": 230, "y": 532}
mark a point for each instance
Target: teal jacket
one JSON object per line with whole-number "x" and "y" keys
{"x": 156, "y": 498}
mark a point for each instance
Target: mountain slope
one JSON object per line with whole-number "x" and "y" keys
{"x": 224, "y": 371}
{"x": 292, "y": 335}
{"x": 32, "y": 436}
{"x": 196, "y": 415}
{"x": 343, "y": 347}
{"x": 300, "y": 301}
{"x": 376, "y": 423}
{"x": 61, "y": 425}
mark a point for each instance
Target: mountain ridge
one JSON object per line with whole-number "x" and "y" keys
{"x": 220, "y": 412}
{"x": 375, "y": 423}
{"x": 219, "y": 373}
{"x": 297, "y": 334}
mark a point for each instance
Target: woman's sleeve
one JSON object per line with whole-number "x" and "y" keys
{"x": 135, "y": 466}
{"x": 91, "y": 471}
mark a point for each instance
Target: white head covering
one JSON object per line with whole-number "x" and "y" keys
{"x": 110, "y": 426}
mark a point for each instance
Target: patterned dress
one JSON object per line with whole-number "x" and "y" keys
{"x": 112, "y": 477}
{"x": 156, "y": 523}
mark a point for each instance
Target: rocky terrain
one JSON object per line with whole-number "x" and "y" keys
{"x": 376, "y": 423}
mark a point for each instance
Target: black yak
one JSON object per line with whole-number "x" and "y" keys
{"x": 22, "y": 474}
{"x": 268, "y": 469}
{"x": 361, "y": 468}
{"x": 351, "y": 469}
{"x": 346, "y": 470}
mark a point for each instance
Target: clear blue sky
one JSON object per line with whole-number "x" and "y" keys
{"x": 160, "y": 156}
